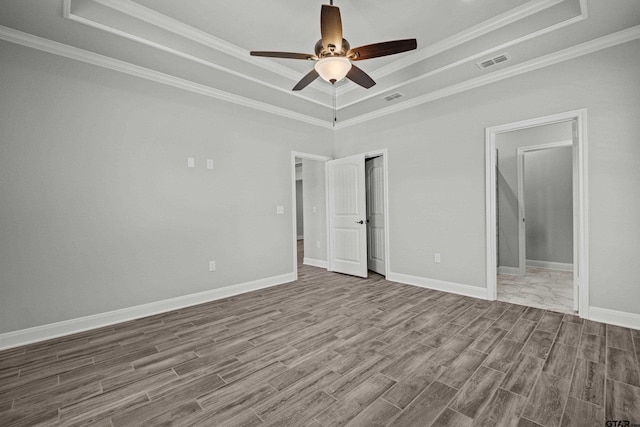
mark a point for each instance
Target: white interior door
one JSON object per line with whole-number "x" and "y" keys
{"x": 347, "y": 216}
{"x": 374, "y": 169}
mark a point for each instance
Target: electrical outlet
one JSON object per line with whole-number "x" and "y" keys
{"x": 209, "y": 164}
{"x": 191, "y": 162}
{"x": 280, "y": 210}
{"x": 212, "y": 266}
{"x": 436, "y": 258}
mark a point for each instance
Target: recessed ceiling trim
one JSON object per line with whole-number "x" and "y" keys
{"x": 72, "y": 52}
{"x": 576, "y": 51}
{"x": 179, "y": 28}
{"x": 107, "y": 28}
{"x": 475, "y": 56}
{"x": 471, "y": 33}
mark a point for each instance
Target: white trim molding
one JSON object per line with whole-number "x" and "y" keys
{"x": 528, "y": 9}
{"x": 315, "y": 262}
{"x": 71, "y": 52}
{"x": 439, "y": 285}
{"x": 35, "y": 42}
{"x": 563, "y": 266}
{"x": 615, "y": 317}
{"x": 164, "y": 22}
{"x": 456, "y": 40}
{"x": 581, "y": 203}
{"x": 582, "y": 49}
{"x": 81, "y": 324}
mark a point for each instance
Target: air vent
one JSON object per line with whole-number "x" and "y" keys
{"x": 393, "y": 96}
{"x": 493, "y": 61}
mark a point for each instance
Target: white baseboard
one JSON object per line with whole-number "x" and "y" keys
{"x": 67, "y": 327}
{"x": 514, "y": 271}
{"x": 440, "y": 285}
{"x": 551, "y": 265}
{"x": 315, "y": 262}
{"x": 615, "y": 317}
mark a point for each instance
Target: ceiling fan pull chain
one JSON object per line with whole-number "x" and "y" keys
{"x": 335, "y": 106}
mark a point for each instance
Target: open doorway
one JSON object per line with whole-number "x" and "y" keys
{"x": 536, "y": 213}
{"x": 534, "y": 221}
{"x": 309, "y": 210}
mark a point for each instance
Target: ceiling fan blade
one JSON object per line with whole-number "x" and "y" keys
{"x": 286, "y": 55}
{"x": 381, "y": 49}
{"x": 358, "y": 76}
{"x": 306, "y": 80}
{"x": 331, "y": 27}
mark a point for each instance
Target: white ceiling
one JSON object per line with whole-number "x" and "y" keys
{"x": 203, "y": 46}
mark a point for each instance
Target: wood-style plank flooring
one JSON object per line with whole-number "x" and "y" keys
{"x": 331, "y": 350}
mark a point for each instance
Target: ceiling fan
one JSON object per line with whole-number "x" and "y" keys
{"x": 334, "y": 55}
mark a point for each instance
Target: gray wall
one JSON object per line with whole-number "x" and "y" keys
{"x": 98, "y": 210}
{"x": 548, "y": 201}
{"x": 315, "y": 224}
{"x": 299, "y": 209}
{"x": 437, "y": 170}
{"x": 507, "y": 177}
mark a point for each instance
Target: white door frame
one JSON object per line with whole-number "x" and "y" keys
{"x": 307, "y": 156}
{"x": 522, "y": 236}
{"x": 580, "y": 219}
{"x": 376, "y": 153}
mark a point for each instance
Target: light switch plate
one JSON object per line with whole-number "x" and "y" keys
{"x": 209, "y": 164}
{"x": 280, "y": 210}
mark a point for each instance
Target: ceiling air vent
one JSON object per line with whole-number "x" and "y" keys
{"x": 493, "y": 61}
{"x": 393, "y": 96}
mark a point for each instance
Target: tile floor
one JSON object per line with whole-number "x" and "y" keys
{"x": 540, "y": 288}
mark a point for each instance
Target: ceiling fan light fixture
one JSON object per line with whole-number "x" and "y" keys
{"x": 333, "y": 68}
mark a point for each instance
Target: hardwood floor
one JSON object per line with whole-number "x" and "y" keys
{"x": 331, "y": 350}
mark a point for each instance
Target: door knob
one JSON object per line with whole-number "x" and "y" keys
{"x": 360, "y": 222}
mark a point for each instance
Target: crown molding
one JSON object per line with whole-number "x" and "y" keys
{"x": 179, "y": 28}
{"x": 159, "y": 20}
{"x": 581, "y": 17}
{"x": 165, "y": 22}
{"x": 183, "y": 30}
{"x": 582, "y": 49}
{"x": 71, "y": 52}
{"x": 469, "y": 34}
{"x": 35, "y": 42}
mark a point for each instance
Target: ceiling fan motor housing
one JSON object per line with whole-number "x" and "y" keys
{"x": 321, "y": 52}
